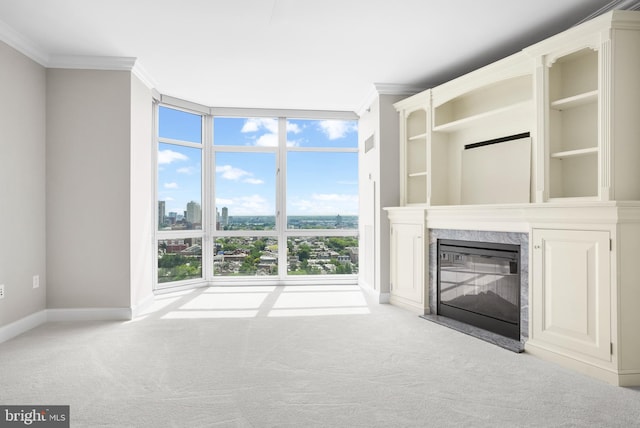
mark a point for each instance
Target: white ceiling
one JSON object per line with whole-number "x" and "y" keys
{"x": 303, "y": 54}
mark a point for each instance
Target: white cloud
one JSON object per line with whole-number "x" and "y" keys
{"x": 258, "y": 124}
{"x": 188, "y": 170}
{"x": 334, "y": 197}
{"x": 267, "y": 140}
{"x": 253, "y": 204}
{"x": 293, "y": 143}
{"x": 169, "y": 199}
{"x": 223, "y": 202}
{"x": 246, "y": 205}
{"x": 168, "y": 156}
{"x": 270, "y": 137}
{"x": 336, "y": 129}
{"x": 325, "y": 204}
{"x": 171, "y": 185}
{"x": 293, "y": 128}
{"x": 231, "y": 173}
{"x": 236, "y": 174}
{"x": 270, "y": 129}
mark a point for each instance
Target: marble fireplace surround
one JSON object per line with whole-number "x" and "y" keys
{"x": 507, "y": 224}
{"x": 516, "y": 238}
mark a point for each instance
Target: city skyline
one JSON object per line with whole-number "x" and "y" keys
{"x": 192, "y": 216}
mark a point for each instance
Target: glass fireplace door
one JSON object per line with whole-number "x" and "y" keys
{"x": 479, "y": 282}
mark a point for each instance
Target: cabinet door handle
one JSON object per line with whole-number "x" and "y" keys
{"x": 536, "y": 247}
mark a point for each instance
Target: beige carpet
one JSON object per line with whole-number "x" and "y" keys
{"x": 294, "y": 357}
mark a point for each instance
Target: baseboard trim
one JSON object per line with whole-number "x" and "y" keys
{"x": 607, "y": 375}
{"x": 89, "y": 314}
{"x": 629, "y": 379}
{"x": 409, "y": 305}
{"x": 22, "y": 325}
{"x": 142, "y": 307}
{"x": 29, "y": 322}
{"x": 375, "y": 294}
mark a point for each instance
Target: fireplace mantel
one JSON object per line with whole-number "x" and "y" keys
{"x": 522, "y": 217}
{"x": 584, "y": 321}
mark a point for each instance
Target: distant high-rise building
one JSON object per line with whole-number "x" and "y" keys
{"x": 338, "y": 221}
{"x": 161, "y": 212}
{"x": 225, "y": 216}
{"x": 173, "y": 216}
{"x": 194, "y": 212}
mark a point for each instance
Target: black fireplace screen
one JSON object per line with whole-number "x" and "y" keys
{"x": 479, "y": 284}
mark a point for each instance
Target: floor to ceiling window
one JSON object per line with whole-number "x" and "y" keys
{"x": 179, "y": 192}
{"x": 255, "y": 198}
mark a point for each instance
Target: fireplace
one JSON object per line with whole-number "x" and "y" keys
{"x": 478, "y": 283}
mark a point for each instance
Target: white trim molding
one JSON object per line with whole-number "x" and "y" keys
{"x": 613, "y": 5}
{"x": 386, "y": 89}
{"x": 374, "y": 294}
{"x": 89, "y": 314}
{"x": 28, "y": 48}
{"x": 22, "y": 325}
{"x": 22, "y": 44}
{"x": 36, "y": 319}
{"x": 114, "y": 63}
{"x": 143, "y": 306}
{"x": 397, "y": 89}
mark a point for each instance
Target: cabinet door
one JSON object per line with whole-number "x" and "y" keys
{"x": 407, "y": 263}
{"x": 571, "y": 291}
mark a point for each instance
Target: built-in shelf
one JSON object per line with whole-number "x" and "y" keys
{"x": 489, "y": 115}
{"x": 576, "y": 187}
{"x": 574, "y": 199}
{"x": 575, "y": 101}
{"x": 418, "y": 137}
{"x": 575, "y": 153}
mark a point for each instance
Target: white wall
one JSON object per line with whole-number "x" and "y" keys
{"x": 379, "y": 188}
{"x": 22, "y": 188}
{"x": 369, "y": 177}
{"x": 88, "y": 194}
{"x": 142, "y": 193}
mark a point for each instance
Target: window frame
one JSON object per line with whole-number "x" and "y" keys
{"x": 208, "y": 234}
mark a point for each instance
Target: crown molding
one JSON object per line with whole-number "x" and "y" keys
{"x": 396, "y": 89}
{"x": 613, "y": 5}
{"x": 113, "y": 63}
{"x": 25, "y": 46}
{"x": 22, "y": 44}
{"x": 110, "y": 63}
{"x": 141, "y": 73}
{"x": 386, "y": 89}
{"x": 365, "y": 106}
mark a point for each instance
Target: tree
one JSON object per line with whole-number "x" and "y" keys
{"x": 304, "y": 252}
{"x": 248, "y": 266}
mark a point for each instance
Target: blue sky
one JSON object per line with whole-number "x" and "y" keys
{"x": 317, "y": 183}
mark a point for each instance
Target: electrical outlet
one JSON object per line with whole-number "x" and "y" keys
{"x": 36, "y": 281}
{"x": 1, "y": 291}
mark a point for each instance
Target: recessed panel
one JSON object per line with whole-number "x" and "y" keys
{"x": 497, "y": 173}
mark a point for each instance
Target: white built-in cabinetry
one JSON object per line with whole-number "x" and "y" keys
{"x": 414, "y": 114}
{"x": 571, "y": 306}
{"x": 493, "y": 102}
{"x": 575, "y": 99}
{"x": 409, "y": 249}
{"x": 572, "y": 125}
